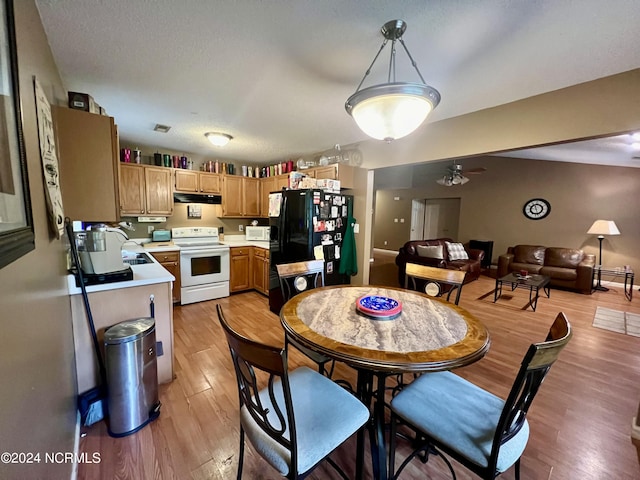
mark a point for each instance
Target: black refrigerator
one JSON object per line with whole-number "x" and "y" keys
{"x": 307, "y": 225}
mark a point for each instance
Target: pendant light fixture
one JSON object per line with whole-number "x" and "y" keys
{"x": 218, "y": 139}
{"x": 394, "y": 109}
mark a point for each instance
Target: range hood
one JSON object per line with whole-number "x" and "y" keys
{"x": 197, "y": 198}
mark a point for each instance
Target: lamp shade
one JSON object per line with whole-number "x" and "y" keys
{"x": 604, "y": 227}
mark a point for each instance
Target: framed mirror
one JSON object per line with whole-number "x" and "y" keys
{"x": 16, "y": 222}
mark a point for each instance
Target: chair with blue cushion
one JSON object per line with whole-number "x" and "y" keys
{"x": 298, "y": 418}
{"x": 478, "y": 429}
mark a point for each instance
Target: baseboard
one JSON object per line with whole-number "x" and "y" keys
{"x": 381, "y": 251}
{"x": 76, "y": 448}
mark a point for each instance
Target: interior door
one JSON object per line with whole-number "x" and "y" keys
{"x": 417, "y": 220}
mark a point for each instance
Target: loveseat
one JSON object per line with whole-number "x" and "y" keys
{"x": 568, "y": 268}
{"x": 441, "y": 253}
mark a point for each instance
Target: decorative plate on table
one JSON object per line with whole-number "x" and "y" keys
{"x": 377, "y": 307}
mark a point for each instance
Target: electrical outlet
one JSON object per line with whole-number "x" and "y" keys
{"x": 385, "y": 242}
{"x": 241, "y": 228}
{"x": 150, "y": 228}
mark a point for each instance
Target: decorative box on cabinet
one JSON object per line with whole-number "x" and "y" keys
{"x": 88, "y": 160}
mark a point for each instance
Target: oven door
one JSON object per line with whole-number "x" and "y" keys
{"x": 203, "y": 266}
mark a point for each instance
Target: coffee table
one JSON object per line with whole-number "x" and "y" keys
{"x": 532, "y": 282}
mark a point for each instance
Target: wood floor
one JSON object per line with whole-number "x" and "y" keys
{"x": 580, "y": 421}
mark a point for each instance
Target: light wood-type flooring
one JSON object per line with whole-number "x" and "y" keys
{"x": 580, "y": 421}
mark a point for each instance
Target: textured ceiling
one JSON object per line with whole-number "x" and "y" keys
{"x": 275, "y": 74}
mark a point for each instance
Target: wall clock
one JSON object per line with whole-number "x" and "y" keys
{"x": 536, "y": 208}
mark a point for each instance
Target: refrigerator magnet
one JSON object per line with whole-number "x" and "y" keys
{"x": 329, "y": 267}
{"x": 330, "y": 225}
{"x": 334, "y": 212}
{"x": 336, "y": 253}
{"x": 316, "y": 198}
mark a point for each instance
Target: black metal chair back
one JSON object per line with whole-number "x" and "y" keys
{"x": 434, "y": 281}
{"x": 300, "y": 276}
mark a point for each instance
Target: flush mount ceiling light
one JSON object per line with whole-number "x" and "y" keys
{"x": 394, "y": 109}
{"x": 218, "y": 139}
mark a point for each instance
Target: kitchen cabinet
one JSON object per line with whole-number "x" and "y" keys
{"x": 337, "y": 171}
{"x": 88, "y": 160}
{"x": 268, "y": 185}
{"x": 145, "y": 190}
{"x": 116, "y": 305}
{"x": 171, "y": 261}
{"x": 240, "y": 196}
{"x": 240, "y": 269}
{"x": 197, "y": 182}
{"x": 261, "y": 270}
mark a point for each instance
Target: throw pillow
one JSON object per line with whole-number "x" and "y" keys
{"x": 456, "y": 251}
{"x": 429, "y": 251}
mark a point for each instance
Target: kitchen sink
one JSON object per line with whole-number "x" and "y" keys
{"x": 140, "y": 259}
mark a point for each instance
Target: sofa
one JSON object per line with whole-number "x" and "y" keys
{"x": 441, "y": 253}
{"x": 568, "y": 268}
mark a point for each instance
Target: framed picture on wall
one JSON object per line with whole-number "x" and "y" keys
{"x": 16, "y": 223}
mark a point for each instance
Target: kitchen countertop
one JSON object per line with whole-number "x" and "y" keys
{"x": 241, "y": 242}
{"x": 145, "y": 274}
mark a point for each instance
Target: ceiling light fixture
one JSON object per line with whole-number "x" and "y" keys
{"x": 453, "y": 177}
{"x": 392, "y": 110}
{"x": 218, "y": 139}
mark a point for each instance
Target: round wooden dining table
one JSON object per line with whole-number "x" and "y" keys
{"x": 428, "y": 335}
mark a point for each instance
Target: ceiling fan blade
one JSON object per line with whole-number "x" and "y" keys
{"x": 474, "y": 171}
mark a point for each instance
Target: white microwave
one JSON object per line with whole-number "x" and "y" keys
{"x": 260, "y": 234}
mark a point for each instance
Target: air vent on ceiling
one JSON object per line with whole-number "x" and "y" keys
{"x": 161, "y": 128}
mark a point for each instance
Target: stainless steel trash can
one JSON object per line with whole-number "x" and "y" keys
{"x": 132, "y": 375}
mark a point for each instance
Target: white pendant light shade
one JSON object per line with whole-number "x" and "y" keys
{"x": 389, "y": 112}
{"x": 392, "y": 110}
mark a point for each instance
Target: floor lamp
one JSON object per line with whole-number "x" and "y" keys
{"x": 602, "y": 228}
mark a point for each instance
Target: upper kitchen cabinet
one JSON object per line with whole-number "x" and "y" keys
{"x": 337, "y": 171}
{"x": 88, "y": 159}
{"x": 197, "y": 182}
{"x": 145, "y": 190}
{"x": 240, "y": 196}
{"x": 268, "y": 185}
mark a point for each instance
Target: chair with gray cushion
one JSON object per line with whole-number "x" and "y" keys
{"x": 478, "y": 429}
{"x": 297, "y": 418}
{"x": 434, "y": 281}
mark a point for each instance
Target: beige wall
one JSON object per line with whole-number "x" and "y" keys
{"x": 491, "y": 205}
{"x": 37, "y": 398}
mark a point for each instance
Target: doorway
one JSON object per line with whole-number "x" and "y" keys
{"x": 435, "y": 218}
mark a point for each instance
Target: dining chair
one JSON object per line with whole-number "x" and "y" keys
{"x": 434, "y": 281}
{"x": 296, "y": 278}
{"x": 452, "y": 416}
{"x": 298, "y": 418}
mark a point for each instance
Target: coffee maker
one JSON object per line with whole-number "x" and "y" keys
{"x": 100, "y": 250}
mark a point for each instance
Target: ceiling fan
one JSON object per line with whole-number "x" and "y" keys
{"x": 456, "y": 175}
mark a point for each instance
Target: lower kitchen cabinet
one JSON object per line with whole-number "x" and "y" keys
{"x": 240, "y": 264}
{"x": 261, "y": 270}
{"x": 171, "y": 262}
